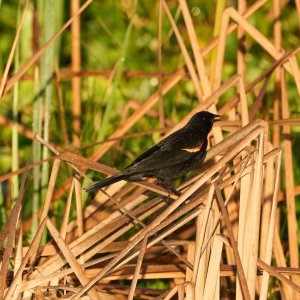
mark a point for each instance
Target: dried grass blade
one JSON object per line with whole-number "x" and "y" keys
{"x": 240, "y": 269}
{"x": 185, "y": 53}
{"x": 202, "y": 222}
{"x": 295, "y": 72}
{"x": 159, "y": 65}
{"x": 64, "y": 225}
{"x": 102, "y": 231}
{"x": 256, "y": 35}
{"x": 12, "y": 50}
{"x": 38, "y": 54}
{"x": 79, "y": 208}
{"x": 138, "y": 268}
{"x": 66, "y": 252}
{"x": 289, "y": 179}
{"x": 250, "y": 11}
{"x": 12, "y": 227}
{"x": 269, "y": 245}
{"x": 34, "y": 244}
{"x": 213, "y": 272}
{"x": 49, "y": 194}
{"x": 196, "y": 48}
{"x": 276, "y": 274}
{"x": 189, "y": 272}
{"x": 76, "y": 66}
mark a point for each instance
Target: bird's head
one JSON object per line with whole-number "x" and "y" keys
{"x": 204, "y": 120}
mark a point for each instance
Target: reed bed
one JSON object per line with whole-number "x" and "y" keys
{"x": 232, "y": 234}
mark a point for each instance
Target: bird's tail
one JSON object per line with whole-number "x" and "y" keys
{"x": 103, "y": 183}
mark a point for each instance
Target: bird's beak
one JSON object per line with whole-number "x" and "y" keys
{"x": 217, "y": 118}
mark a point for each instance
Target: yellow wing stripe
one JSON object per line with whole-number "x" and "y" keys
{"x": 193, "y": 150}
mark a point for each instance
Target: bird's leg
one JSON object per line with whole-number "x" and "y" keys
{"x": 166, "y": 184}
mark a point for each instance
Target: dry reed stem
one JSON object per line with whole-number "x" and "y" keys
{"x": 127, "y": 212}
{"x": 196, "y": 48}
{"x": 221, "y": 51}
{"x": 64, "y": 224}
{"x": 222, "y": 185}
{"x": 276, "y": 274}
{"x": 76, "y": 65}
{"x": 295, "y": 71}
{"x": 213, "y": 272}
{"x": 61, "y": 107}
{"x": 12, "y": 50}
{"x": 252, "y": 9}
{"x": 159, "y": 65}
{"x": 252, "y": 85}
{"x": 205, "y": 256}
{"x": 189, "y": 272}
{"x": 269, "y": 174}
{"x": 10, "y": 233}
{"x": 46, "y": 207}
{"x": 151, "y": 272}
{"x": 18, "y": 276}
{"x": 166, "y": 229}
{"x": 259, "y": 100}
{"x": 95, "y": 235}
{"x": 199, "y": 63}
{"x": 256, "y": 35}
{"x": 241, "y": 57}
{"x": 200, "y": 233}
{"x": 277, "y": 74}
{"x": 37, "y": 55}
{"x": 270, "y": 236}
{"x": 18, "y": 253}
{"x": 79, "y": 209}
{"x": 185, "y": 54}
{"x": 240, "y": 270}
{"x": 66, "y": 252}
{"x": 138, "y": 268}
{"x": 289, "y": 178}
{"x": 254, "y": 225}
{"x": 169, "y": 295}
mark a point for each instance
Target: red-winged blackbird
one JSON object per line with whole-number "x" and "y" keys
{"x": 172, "y": 157}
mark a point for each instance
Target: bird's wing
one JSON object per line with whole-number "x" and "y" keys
{"x": 164, "y": 155}
{"x": 170, "y": 143}
{"x": 145, "y": 155}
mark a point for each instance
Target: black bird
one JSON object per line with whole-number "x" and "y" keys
{"x": 172, "y": 157}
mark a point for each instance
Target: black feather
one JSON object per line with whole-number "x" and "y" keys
{"x": 172, "y": 157}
